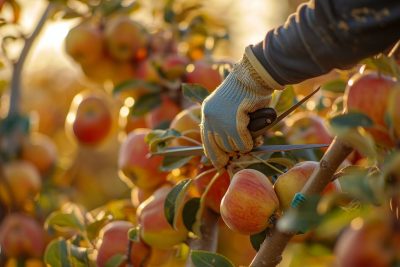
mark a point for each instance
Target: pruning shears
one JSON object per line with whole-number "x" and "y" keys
{"x": 261, "y": 121}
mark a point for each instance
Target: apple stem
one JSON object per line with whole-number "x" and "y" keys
{"x": 270, "y": 252}
{"x": 15, "y": 95}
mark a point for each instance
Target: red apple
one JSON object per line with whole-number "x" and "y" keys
{"x": 126, "y": 39}
{"x": 135, "y": 166}
{"x": 203, "y": 73}
{"x": 154, "y": 228}
{"x": 41, "y": 151}
{"x": 163, "y": 114}
{"x": 174, "y": 66}
{"x": 307, "y": 128}
{"x": 369, "y": 93}
{"x": 249, "y": 202}
{"x": 114, "y": 241}
{"x": 24, "y": 180}
{"x": 217, "y": 190}
{"x": 187, "y": 122}
{"x": 292, "y": 182}
{"x": 21, "y": 235}
{"x": 89, "y": 119}
{"x": 85, "y": 44}
{"x": 366, "y": 244}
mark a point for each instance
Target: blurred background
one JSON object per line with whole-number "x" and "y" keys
{"x": 51, "y": 79}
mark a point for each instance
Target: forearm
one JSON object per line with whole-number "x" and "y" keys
{"x": 328, "y": 34}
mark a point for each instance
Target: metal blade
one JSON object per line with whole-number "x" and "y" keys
{"x": 198, "y": 150}
{"x": 284, "y": 114}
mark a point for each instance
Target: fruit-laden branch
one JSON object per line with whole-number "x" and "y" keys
{"x": 209, "y": 234}
{"x": 19, "y": 64}
{"x": 270, "y": 253}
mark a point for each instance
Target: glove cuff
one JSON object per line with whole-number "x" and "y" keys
{"x": 258, "y": 72}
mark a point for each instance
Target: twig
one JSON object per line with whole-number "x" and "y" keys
{"x": 270, "y": 253}
{"x": 209, "y": 234}
{"x": 19, "y": 64}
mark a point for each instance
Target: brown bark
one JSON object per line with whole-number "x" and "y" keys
{"x": 209, "y": 234}
{"x": 270, "y": 253}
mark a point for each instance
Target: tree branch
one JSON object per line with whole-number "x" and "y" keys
{"x": 18, "y": 66}
{"x": 270, "y": 253}
{"x": 209, "y": 234}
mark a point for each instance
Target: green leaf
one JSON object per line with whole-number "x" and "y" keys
{"x": 170, "y": 162}
{"x": 358, "y": 139}
{"x": 174, "y": 202}
{"x": 352, "y": 120}
{"x": 79, "y": 256}
{"x": 135, "y": 84}
{"x": 93, "y": 229}
{"x": 189, "y": 212}
{"x": 64, "y": 222}
{"x": 284, "y": 99}
{"x": 116, "y": 260}
{"x": 335, "y": 86}
{"x": 303, "y": 218}
{"x": 157, "y": 139}
{"x": 383, "y": 64}
{"x": 364, "y": 186}
{"x": 56, "y": 254}
{"x": 194, "y": 92}
{"x": 61, "y": 253}
{"x": 133, "y": 234}
{"x": 202, "y": 258}
{"x": 146, "y": 103}
{"x": 257, "y": 239}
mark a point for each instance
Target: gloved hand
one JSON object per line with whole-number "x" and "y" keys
{"x": 225, "y": 112}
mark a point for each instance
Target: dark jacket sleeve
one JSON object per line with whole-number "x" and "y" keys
{"x": 327, "y": 34}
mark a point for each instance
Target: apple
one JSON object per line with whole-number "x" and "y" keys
{"x": 85, "y": 44}
{"x": 292, "y": 182}
{"x": 174, "y": 66}
{"x": 217, "y": 190}
{"x": 163, "y": 114}
{"x": 114, "y": 240}
{"x": 89, "y": 119}
{"x": 100, "y": 71}
{"x": 369, "y": 93}
{"x": 203, "y": 73}
{"x": 41, "y": 151}
{"x": 366, "y": 244}
{"x": 24, "y": 180}
{"x": 135, "y": 166}
{"x": 146, "y": 70}
{"x": 126, "y": 39}
{"x": 249, "y": 202}
{"x": 139, "y": 195}
{"x": 154, "y": 228}
{"x": 393, "y": 113}
{"x": 235, "y": 246}
{"x": 307, "y": 128}
{"x": 187, "y": 122}
{"x": 21, "y": 236}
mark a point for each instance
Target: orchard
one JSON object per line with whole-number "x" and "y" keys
{"x": 85, "y": 174}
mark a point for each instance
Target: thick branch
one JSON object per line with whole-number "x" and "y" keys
{"x": 270, "y": 253}
{"x": 209, "y": 234}
{"x": 18, "y": 66}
